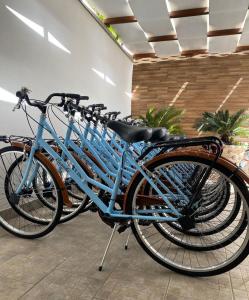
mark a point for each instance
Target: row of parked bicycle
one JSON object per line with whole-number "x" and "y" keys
{"x": 186, "y": 205}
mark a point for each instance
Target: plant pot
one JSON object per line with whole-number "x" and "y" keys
{"x": 234, "y": 153}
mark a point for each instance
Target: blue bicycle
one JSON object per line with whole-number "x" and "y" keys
{"x": 164, "y": 189}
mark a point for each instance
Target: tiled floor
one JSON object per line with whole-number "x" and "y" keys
{"x": 64, "y": 265}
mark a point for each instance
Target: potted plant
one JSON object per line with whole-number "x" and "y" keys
{"x": 168, "y": 117}
{"x": 227, "y": 126}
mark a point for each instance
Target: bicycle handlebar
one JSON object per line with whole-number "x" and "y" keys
{"x": 112, "y": 115}
{"x": 96, "y": 106}
{"x": 77, "y": 97}
{"x": 127, "y": 117}
{"x": 116, "y": 113}
{"x": 23, "y": 95}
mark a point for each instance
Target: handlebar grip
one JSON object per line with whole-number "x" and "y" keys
{"x": 81, "y": 98}
{"x": 21, "y": 94}
{"x": 84, "y": 98}
{"x": 73, "y": 96}
{"x": 4, "y": 138}
{"x": 93, "y": 106}
{"x": 76, "y": 96}
{"x": 110, "y": 113}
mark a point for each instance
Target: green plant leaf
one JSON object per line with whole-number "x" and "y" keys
{"x": 223, "y": 123}
{"x": 168, "y": 117}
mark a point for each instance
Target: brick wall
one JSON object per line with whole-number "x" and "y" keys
{"x": 197, "y": 85}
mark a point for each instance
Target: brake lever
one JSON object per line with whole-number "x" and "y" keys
{"x": 18, "y": 105}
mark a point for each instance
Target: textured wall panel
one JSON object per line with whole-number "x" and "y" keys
{"x": 201, "y": 85}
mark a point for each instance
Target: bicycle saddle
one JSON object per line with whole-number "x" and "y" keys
{"x": 158, "y": 134}
{"x": 129, "y": 133}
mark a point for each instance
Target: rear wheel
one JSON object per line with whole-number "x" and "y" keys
{"x": 176, "y": 249}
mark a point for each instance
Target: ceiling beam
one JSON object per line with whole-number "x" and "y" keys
{"x": 190, "y": 53}
{"x": 223, "y": 32}
{"x": 189, "y": 12}
{"x": 120, "y": 20}
{"x": 144, "y": 55}
{"x": 173, "y": 14}
{"x": 162, "y": 38}
{"x": 242, "y": 48}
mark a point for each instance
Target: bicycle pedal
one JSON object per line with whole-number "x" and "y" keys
{"x": 144, "y": 222}
{"x": 14, "y": 198}
{"x": 186, "y": 223}
{"x": 93, "y": 208}
{"x": 47, "y": 193}
{"x": 122, "y": 228}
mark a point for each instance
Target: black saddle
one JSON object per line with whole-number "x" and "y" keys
{"x": 129, "y": 133}
{"x": 158, "y": 134}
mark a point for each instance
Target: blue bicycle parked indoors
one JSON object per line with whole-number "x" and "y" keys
{"x": 187, "y": 206}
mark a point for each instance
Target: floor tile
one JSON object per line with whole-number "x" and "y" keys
{"x": 64, "y": 265}
{"x": 12, "y": 289}
{"x": 63, "y": 285}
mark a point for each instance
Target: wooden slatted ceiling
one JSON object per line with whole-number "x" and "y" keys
{"x": 162, "y": 38}
{"x": 173, "y": 14}
{"x": 120, "y": 20}
{"x": 223, "y": 32}
{"x": 189, "y": 12}
{"x": 174, "y": 17}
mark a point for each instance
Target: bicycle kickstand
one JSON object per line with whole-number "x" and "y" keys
{"x": 127, "y": 240}
{"x": 107, "y": 247}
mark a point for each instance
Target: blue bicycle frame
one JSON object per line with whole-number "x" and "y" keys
{"x": 82, "y": 179}
{"x": 99, "y": 172}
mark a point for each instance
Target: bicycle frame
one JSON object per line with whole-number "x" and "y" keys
{"x": 101, "y": 174}
{"x": 84, "y": 142}
{"x": 82, "y": 179}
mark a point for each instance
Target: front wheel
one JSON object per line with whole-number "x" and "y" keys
{"x": 77, "y": 197}
{"x": 24, "y": 215}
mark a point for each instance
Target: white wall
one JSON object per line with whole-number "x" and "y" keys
{"x": 29, "y": 59}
